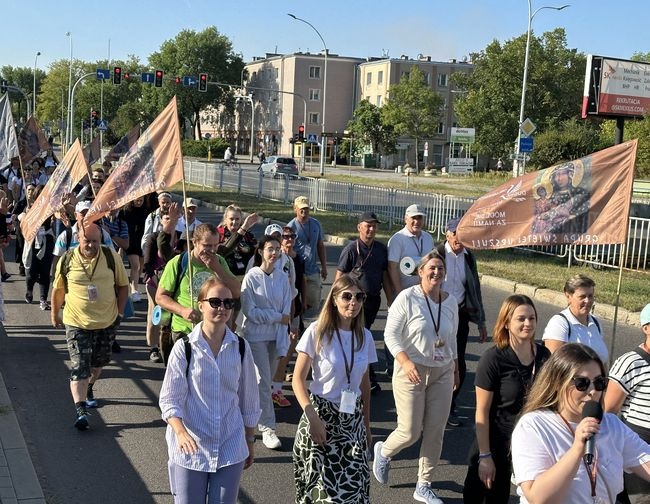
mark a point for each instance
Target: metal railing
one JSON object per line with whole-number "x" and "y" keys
{"x": 390, "y": 205}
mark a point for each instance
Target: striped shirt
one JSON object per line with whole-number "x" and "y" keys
{"x": 632, "y": 373}
{"x": 216, "y": 400}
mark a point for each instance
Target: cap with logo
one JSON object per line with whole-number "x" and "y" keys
{"x": 190, "y": 202}
{"x": 301, "y": 202}
{"x": 273, "y": 228}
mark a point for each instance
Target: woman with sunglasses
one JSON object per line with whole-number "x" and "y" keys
{"x": 421, "y": 334}
{"x": 548, "y": 442}
{"x": 505, "y": 374}
{"x": 210, "y": 404}
{"x": 330, "y": 452}
{"x": 266, "y": 305}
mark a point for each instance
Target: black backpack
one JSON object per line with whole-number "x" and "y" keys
{"x": 188, "y": 351}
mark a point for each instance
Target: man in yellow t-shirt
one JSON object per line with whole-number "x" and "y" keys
{"x": 95, "y": 298}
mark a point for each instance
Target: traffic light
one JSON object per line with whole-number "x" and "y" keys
{"x": 117, "y": 75}
{"x": 93, "y": 120}
{"x": 203, "y": 82}
{"x": 3, "y": 86}
{"x": 301, "y": 133}
{"x": 158, "y": 78}
{"x": 126, "y": 76}
{"x": 178, "y": 81}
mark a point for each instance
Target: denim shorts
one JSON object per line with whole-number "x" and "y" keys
{"x": 88, "y": 349}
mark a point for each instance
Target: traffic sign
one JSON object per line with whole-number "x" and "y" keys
{"x": 528, "y": 127}
{"x": 189, "y": 80}
{"x": 103, "y": 74}
{"x": 312, "y": 138}
{"x": 526, "y": 144}
{"x": 102, "y": 125}
{"x": 147, "y": 77}
{"x": 522, "y": 156}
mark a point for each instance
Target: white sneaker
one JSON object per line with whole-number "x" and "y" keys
{"x": 136, "y": 297}
{"x": 424, "y": 493}
{"x": 271, "y": 440}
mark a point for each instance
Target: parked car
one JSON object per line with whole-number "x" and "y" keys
{"x": 279, "y": 165}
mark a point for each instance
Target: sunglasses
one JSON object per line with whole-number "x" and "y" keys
{"x": 582, "y": 383}
{"x": 215, "y": 302}
{"x": 288, "y": 236}
{"x": 347, "y": 296}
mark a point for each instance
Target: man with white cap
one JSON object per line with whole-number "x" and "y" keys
{"x": 153, "y": 224}
{"x": 310, "y": 246}
{"x": 190, "y": 204}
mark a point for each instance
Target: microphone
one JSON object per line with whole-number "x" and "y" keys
{"x": 595, "y": 410}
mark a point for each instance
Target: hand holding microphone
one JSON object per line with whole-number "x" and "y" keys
{"x": 593, "y": 411}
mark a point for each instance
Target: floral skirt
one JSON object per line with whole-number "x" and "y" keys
{"x": 337, "y": 473}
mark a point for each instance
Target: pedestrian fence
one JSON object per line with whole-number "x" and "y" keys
{"x": 390, "y": 206}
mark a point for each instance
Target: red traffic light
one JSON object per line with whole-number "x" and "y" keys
{"x": 158, "y": 80}
{"x": 117, "y": 75}
{"x": 177, "y": 80}
{"x": 203, "y": 82}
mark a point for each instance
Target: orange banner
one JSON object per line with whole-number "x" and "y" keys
{"x": 92, "y": 152}
{"x": 124, "y": 145}
{"x": 31, "y": 141}
{"x": 64, "y": 178}
{"x": 586, "y": 201}
{"x": 154, "y": 163}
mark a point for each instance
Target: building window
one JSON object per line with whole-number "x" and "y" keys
{"x": 275, "y": 73}
{"x": 427, "y": 78}
{"x": 442, "y": 80}
{"x": 368, "y": 78}
{"x": 405, "y": 75}
{"x": 380, "y": 77}
{"x": 314, "y": 118}
{"x": 314, "y": 94}
{"x": 368, "y": 98}
{"x": 314, "y": 72}
{"x": 437, "y": 155}
{"x": 379, "y": 100}
{"x": 441, "y": 128}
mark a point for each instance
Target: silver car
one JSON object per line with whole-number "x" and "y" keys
{"x": 279, "y": 165}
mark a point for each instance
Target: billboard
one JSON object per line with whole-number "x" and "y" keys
{"x": 616, "y": 87}
{"x": 462, "y": 135}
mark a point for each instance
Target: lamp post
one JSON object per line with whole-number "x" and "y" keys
{"x": 323, "y": 141}
{"x": 34, "y": 90}
{"x": 68, "y": 134}
{"x": 523, "y": 85}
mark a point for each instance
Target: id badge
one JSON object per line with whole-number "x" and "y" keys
{"x": 93, "y": 295}
{"x": 438, "y": 355}
{"x": 240, "y": 265}
{"x": 307, "y": 251}
{"x": 348, "y": 402}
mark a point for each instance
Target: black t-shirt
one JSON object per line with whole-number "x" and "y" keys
{"x": 500, "y": 372}
{"x": 372, "y": 261}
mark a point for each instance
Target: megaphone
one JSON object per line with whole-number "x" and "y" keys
{"x": 408, "y": 266}
{"x": 156, "y": 315}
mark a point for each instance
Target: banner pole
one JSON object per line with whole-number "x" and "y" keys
{"x": 618, "y": 296}
{"x": 189, "y": 242}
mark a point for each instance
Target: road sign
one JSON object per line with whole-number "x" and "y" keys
{"x": 148, "y": 77}
{"x": 189, "y": 80}
{"x": 522, "y": 156}
{"x": 102, "y": 125}
{"x": 462, "y": 135}
{"x": 527, "y": 127}
{"x": 460, "y": 166}
{"x": 526, "y": 144}
{"x": 103, "y": 74}
{"x": 312, "y": 138}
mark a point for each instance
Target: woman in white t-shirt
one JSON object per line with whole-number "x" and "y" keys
{"x": 330, "y": 452}
{"x": 548, "y": 442}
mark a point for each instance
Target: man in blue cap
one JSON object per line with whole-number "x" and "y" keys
{"x": 462, "y": 282}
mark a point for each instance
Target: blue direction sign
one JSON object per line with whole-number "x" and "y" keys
{"x": 103, "y": 74}
{"x": 312, "y": 138}
{"x": 190, "y": 80}
{"x": 147, "y": 77}
{"x": 102, "y": 125}
{"x": 526, "y": 144}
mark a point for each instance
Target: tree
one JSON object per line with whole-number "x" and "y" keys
{"x": 367, "y": 127}
{"x": 22, "y": 78}
{"x": 192, "y": 53}
{"x": 570, "y": 140}
{"x": 413, "y": 108}
{"x": 492, "y": 92}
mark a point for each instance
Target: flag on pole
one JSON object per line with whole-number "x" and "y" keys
{"x": 64, "y": 178}
{"x": 152, "y": 164}
{"x": 582, "y": 202}
{"x": 31, "y": 141}
{"x": 92, "y": 152}
{"x": 8, "y": 139}
{"x": 124, "y": 145}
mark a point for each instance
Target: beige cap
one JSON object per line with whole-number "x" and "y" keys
{"x": 301, "y": 202}
{"x": 190, "y": 202}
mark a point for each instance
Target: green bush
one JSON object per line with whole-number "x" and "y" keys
{"x": 199, "y": 148}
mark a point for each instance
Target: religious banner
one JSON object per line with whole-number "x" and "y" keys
{"x": 31, "y": 141}
{"x": 124, "y": 145}
{"x": 92, "y": 152}
{"x": 154, "y": 163}
{"x": 8, "y": 139}
{"x": 582, "y": 202}
{"x": 50, "y": 200}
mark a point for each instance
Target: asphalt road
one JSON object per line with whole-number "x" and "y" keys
{"x": 123, "y": 458}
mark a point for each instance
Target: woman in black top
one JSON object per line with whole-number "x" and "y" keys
{"x": 504, "y": 376}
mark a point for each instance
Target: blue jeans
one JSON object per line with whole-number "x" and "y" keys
{"x": 190, "y": 487}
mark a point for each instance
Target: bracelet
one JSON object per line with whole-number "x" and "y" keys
{"x": 484, "y": 455}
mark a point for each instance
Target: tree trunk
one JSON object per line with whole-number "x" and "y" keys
{"x": 417, "y": 161}
{"x": 197, "y": 122}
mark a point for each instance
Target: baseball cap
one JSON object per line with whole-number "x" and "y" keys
{"x": 452, "y": 224}
{"x": 645, "y": 315}
{"x": 82, "y": 206}
{"x": 369, "y": 217}
{"x": 301, "y": 202}
{"x": 273, "y": 228}
{"x": 190, "y": 202}
{"x": 414, "y": 210}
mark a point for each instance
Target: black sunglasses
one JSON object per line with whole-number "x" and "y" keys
{"x": 216, "y": 302}
{"x": 347, "y": 296}
{"x": 582, "y": 383}
{"x": 288, "y": 236}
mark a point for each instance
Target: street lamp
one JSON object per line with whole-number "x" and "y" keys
{"x": 323, "y": 141}
{"x": 523, "y": 86}
{"x": 34, "y": 90}
{"x": 68, "y": 134}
